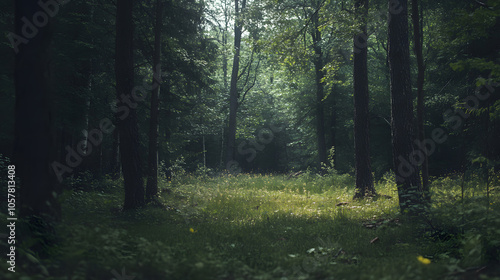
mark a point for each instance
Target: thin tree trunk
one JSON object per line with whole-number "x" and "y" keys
{"x": 320, "y": 115}
{"x": 224, "y": 43}
{"x": 127, "y": 125}
{"x": 402, "y": 121}
{"x": 233, "y": 91}
{"x": 364, "y": 179}
{"x": 152, "y": 183}
{"x": 222, "y": 146}
{"x": 87, "y": 125}
{"x": 88, "y": 164}
{"x": 204, "y": 151}
{"x": 333, "y": 130}
{"x": 417, "y": 39}
{"x": 115, "y": 155}
{"x": 100, "y": 169}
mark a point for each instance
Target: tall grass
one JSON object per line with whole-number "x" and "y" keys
{"x": 271, "y": 227}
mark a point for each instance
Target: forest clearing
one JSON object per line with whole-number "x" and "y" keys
{"x": 250, "y": 139}
{"x": 273, "y": 227}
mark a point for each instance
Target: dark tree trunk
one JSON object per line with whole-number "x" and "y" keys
{"x": 224, "y": 71}
{"x": 115, "y": 155}
{"x": 221, "y": 163}
{"x": 100, "y": 169}
{"x": 233, "y": 90}
{"x": 152, "y": 184}
{"x": 167, "y": 97}
{"x": 33, "y": 147}
{"x": 127, "y": 124}
{"x": 320, "y": 114}
{"x": 333, "y": 130}
{"x": 402, "y": 121}
{"x": 417, "y": 41}
{"x": 364, "y": 179}
{"x": 84, "y": 79}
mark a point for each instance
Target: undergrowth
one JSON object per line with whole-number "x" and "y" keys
{"x": 269, "y": 227}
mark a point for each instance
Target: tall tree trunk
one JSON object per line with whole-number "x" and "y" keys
{"x": 417, "y": 41}
{"x": 204, "y": 151}
{"x": 127, "y": 124}
{"x": 33, "y": 147}
{"x": 221, "y": 163}
{"x": 233, "y": 90}
{"x": 152, "y": 184}
{"x": 224, "y": 43}
{"x": 115, "y": 155}
{"x": 86, "y": 120}
{"x": 92, "y": 163}
{"x": 167, "y": 97}
{"x": 224, "y": 71}
{"x": 88, "y": 164}
{"x": 402, "y": 120}
{"x": 364, "y": 180}
{"x": 83, "y": 79}
{"x": 333, "y": 129}
{"x": 320, "y": 114}
{"x": 100, "y": 169}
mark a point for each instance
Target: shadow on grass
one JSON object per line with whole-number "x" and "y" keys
{"x": 230, "y": 231}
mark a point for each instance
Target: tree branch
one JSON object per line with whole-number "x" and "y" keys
{"x": 253, "y": 83}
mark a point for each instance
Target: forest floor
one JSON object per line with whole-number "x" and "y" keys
{"x": 272, "y": 227}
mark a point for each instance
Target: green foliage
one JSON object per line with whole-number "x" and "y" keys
{"x": 481, "y": 64}
{"x": 271, "y": 227}
{"x": 268, "y": 226}
{"x": 86, "y": 181}
{"x": 464, "y": 231}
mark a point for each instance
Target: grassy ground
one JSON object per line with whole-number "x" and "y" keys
{"x": 272, "y": 227}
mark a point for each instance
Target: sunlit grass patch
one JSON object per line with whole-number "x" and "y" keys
{"x": 247, "y": 198}
{"x": 274, "y": 227}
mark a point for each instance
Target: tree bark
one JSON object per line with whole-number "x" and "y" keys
{"x": 33, "y": 147}
{"x": 320, "y": 114}
{"x": 127, "y": 124}
{"x": 152, "y": 183}
{"x": 224, "y": 43}
{"x": 233, "y": 90}
{"x": 85, "y": 81}
{"x": 402, "y": 121}
{"x": 333, "y": 129}
{"x": 364, "y": 179}
{"x": 417, "y": 41}
{"x": 115, "y": 155}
